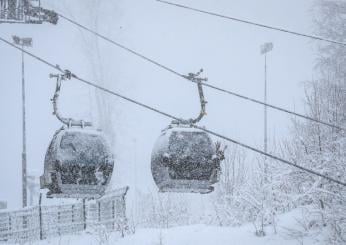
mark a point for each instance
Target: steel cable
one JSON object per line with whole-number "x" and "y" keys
{"x": 57, "y": 67}
{"x": 203, "y": 83}
{"x": 254, "y": 23}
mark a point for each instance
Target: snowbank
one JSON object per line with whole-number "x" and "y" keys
{"x": 196, "y": 234}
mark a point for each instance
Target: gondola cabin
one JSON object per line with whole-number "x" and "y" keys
{"x": 185, "y": 159}
{"x": 78, "y": 164}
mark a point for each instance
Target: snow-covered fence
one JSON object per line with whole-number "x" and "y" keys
{"x": 20, "y": 225}
{"x": 42, "y": 222}
{"x": 60, "y": 220}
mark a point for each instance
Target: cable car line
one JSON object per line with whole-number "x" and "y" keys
{"x": 254, "y": 23}
{"x": 57, "y": 67}
{"x": 271, "y": 156}
{"x": 273, "y": 106}
{"x": 203, "y": 83}
{"x": 120, "y": 45}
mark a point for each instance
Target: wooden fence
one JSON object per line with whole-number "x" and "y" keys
{"x": 42, "y": 222}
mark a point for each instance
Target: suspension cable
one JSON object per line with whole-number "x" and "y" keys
{"x": 254, "y": 23}
{"x": 57, "y": 67}
{"x": 120, "y": 45}
{"x": 152, "y": 61}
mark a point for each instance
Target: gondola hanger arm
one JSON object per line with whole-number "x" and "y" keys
{"x": 67, "y": 121}
{"x": 195, "y": 77}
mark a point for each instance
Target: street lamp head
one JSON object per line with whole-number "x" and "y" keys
{"x": 266, "y": 47}
{"x": 27, "y": 41}
{"x": 16, "y": 40}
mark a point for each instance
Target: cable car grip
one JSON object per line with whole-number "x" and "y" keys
{"x": 195, "y": 77}
{"x": 66, "y": 75}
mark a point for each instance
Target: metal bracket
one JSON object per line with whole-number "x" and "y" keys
{"x": 67, "y": 121}
{"x": 195, "y": 77}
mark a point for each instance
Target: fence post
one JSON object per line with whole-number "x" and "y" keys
{"x": 113, "y": 213}
{"x": 123, "y": 219}
{"x": 40, "y": 216}
{"x": 9, "y": 226}
{"x": 59, "y": 233}
{"x": 25, "y": 225}
{"x": 72, "y": 213}
{"x": 123, "y": 207}
{"x": 99, "y": 211}
{"x": 84, "y": 215}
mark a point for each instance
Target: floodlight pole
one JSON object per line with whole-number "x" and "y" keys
{"x": 23, "y": 42}
{"x": 265, "y": 115}
{"x": 265, "y": 49}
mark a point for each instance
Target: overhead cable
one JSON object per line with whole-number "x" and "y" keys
{"x": 152, "y": 61}
{"x": 57, "y": 67}
{"x": 255, "y": 23}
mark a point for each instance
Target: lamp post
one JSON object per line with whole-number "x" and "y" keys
{"x": 23, "y": 42}
{"x": 265, "y": 49}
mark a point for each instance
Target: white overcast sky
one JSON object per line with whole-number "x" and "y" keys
{"x": 182, "y": 40}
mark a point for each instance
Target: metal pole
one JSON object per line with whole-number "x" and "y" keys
{"x": 265, "y": 118}
{"x": 24, "y": 180}
{"x": 40, "y": 216}
{"x": 265, "y": 48}
{"x": 23, "y": 42}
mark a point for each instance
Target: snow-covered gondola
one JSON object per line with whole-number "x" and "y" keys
{"x": 78, "y": 162}
{"x": 184, "y": 158}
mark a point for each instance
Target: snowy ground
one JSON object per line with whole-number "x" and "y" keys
{"x": 196, "y": 235}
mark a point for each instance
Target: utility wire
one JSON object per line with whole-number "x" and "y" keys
{"x": 203, "y": 83}
{"x": 254, "y": 23}
{"x": 270, "y": 155}
{"x": 119, "y": 45}
{"x": 273, "y": 106}
{"x": 57, "y": 67}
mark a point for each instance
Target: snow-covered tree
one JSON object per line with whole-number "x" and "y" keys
{"x": 233, "y": 204}
{"x": 318, "y": 147}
